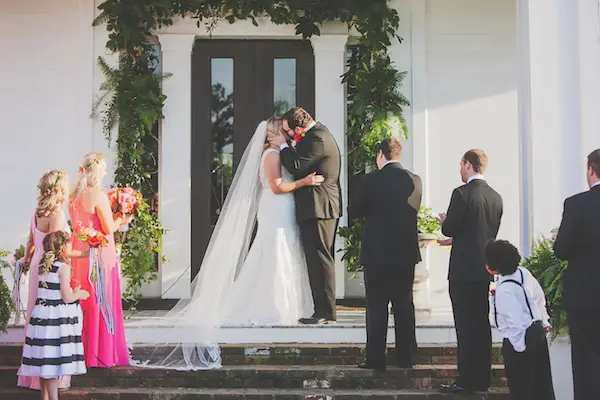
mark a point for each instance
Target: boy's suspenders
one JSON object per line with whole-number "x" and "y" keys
{"x": 524, "y": 292}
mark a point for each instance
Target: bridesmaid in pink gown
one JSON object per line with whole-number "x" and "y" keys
{"x": 89, "y": 207}
{"x": 53, "y": 190}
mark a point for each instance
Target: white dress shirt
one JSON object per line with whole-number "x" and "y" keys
{"x": 596, "y": 184}
{"x": 513, "y": 317}
{"x": 477, "y": 176}
{"x": 308, "y": 128}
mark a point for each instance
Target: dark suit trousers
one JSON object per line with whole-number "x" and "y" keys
{"x": 384, "y": 285}
{"x": 318, "y": 238}
{"x": 528, "y": 373}
{"x": 584, "y": 325}
{"x": 471, "y": 308}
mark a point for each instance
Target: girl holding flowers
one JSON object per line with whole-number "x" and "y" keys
{"x": 93, "y": 225}
{"x": 53, "y": 189}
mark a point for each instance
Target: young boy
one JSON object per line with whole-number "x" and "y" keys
{"x": 519, "y": 309}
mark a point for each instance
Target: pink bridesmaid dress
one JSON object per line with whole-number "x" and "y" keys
{"x": 33, "y": 382}
{"x": 101, "y": 349}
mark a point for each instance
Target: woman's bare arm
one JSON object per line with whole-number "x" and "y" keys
{"x": 105, "y": 215}
{"x": 273, "y": 173}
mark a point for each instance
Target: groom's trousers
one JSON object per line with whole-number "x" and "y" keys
{"x": 318, "y": 238}
{"x": 385, "y": 284}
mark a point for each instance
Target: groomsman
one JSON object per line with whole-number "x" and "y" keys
{"x": 578, "y": 242}
{"x": 388, "y": 200}
{"x": 473, "y": 219}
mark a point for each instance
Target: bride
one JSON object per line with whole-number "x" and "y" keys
{"x": 238, "y": 284}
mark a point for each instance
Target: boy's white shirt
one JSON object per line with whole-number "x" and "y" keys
{"x": 513, "y": 314}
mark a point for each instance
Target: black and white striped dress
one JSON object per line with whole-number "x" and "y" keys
{"x": 53, "y": 345}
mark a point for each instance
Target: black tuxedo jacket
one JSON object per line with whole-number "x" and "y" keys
{"x": 578, "y": 242}
{"x": 316, "y": 152}
{"x": 388, "y": 200}
{"x": 473, "y": 219}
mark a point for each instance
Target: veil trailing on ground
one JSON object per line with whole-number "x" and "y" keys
{"x": 187, "y": 337}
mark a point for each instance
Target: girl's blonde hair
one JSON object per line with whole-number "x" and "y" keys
{"x": 52, "y": 192}
{"x": 55, "y": 249}
{"x": 90, "y": 174}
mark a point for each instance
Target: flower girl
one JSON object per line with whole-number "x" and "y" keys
{"x": 53, "y": 345}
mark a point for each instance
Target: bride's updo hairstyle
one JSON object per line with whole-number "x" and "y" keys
{"x": 91, "y": 172}
{"x": 53, "y": 189}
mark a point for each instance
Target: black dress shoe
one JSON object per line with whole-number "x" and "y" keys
{"x": 314, "y": 320}
{"x": 455, "y": 388}
{"x": 365, "y": 365}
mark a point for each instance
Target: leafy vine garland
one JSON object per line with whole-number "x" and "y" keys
{"x": 133, "y": 99}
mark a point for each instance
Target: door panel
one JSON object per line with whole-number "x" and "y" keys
{"x": 235, "y": 85}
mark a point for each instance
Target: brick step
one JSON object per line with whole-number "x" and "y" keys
{"x": 250, "y": 394}
{"x": 262, "y": 377}
{"x": 295, "y": 354}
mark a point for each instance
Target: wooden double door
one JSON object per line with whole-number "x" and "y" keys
{"x": 235, "y": 85}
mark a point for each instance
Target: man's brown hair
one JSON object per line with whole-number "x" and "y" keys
{"x": 297, "y": 117}
{"x": 478, "y": 160}
{"x": 593, "y": 162}
{"x": 391, "y": 149}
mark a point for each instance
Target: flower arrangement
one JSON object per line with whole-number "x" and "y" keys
{"x": 92, "y": 237}
{"x": 427, "y": 223}
{"x": 20, "y": 269}
{"x": 96, "y": 273}
{"x": 124, "y": 201}
{"x": 549, "y": 271}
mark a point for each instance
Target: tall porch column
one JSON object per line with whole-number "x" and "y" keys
{"x": 330, "y": 109}
{"x": 175, "y": 174}
{"x": 549, "y": 113}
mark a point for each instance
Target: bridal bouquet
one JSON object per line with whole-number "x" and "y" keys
{"x": 124, "y": 201}
{"x": 96, "y": 240}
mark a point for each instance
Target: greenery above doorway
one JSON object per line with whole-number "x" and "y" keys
{"x": 134, "y": 100}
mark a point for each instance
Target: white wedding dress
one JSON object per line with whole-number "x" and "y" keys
{"x": 272, "y": 287}
{"x": 239, "y": 283}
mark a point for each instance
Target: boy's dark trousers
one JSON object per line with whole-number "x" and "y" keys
{"x": 528, "y": 373}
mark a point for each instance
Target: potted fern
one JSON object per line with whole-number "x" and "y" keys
{"x": 549, "y": 271}
{"x": 6, "y": 302}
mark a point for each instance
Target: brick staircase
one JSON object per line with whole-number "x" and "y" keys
{"x": 302, "y": 371}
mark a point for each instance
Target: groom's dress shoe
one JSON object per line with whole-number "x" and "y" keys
{"x": 365, "y": 365}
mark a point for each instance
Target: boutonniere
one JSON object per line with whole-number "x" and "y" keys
{"x": 297, "y": 138}
{"x": 493, "y": 292}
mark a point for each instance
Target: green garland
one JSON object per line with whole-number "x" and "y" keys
{"x": 134, "y": 99}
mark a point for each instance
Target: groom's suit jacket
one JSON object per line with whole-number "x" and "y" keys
{"x": 316, "y": 152}
{"x": 578, "y": 242}
{"x": 388, "y": 200}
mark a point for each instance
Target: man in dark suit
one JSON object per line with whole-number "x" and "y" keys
{"x": 388, "y": 200}
{"x": 473, "y": 219}
{"x": 578, "y": 242}
{"x": 318, "y": 208}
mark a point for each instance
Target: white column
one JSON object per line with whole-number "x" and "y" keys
{"x": 589, "y": 75}
{"x": 330, "y": 109}
{"x": 549, "y": 111}
{"x": 175, "y": 173}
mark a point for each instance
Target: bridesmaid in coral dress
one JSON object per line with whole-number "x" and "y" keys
{"x": 89, "y": 207}
{"x": 53, "y": 189}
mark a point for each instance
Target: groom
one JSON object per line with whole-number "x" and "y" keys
{"x": 318, "y": 208}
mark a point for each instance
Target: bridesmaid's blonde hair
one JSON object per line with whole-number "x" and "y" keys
{"x": 53, "y": 188}
{"x": 55, "y": 249}
{"x": 89, "y": 174}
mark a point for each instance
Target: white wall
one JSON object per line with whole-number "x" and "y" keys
{"x": 46, "y": 79}
{"x": 464, "y": 96}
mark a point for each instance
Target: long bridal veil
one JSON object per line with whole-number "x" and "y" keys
{"x": 187, "y": 337}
